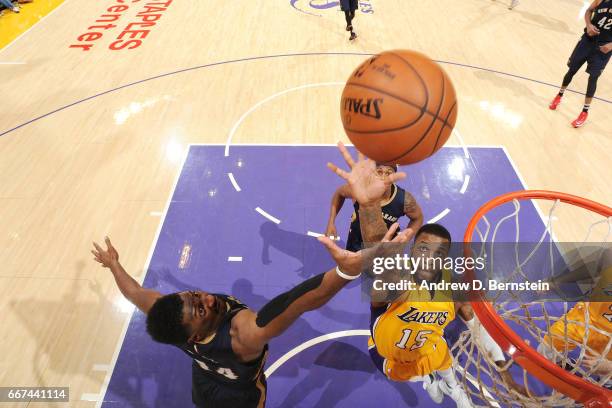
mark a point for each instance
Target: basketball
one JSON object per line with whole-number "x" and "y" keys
{"x": 398, "y": 107}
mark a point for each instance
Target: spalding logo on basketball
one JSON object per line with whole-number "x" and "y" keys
{"x": 398, "y": 107}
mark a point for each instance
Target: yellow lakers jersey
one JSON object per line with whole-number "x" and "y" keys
{"x": 599, "y": 311}
{"x": 600, "y": 304}
{"x": 413, "y": 327}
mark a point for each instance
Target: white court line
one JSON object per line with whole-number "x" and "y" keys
{"x": 101, "y": 367}
{"x": 234, "y": 259}
{"x": 109, "y": 373}
{"x": 268, "y": 216}
{"x": 522, "y": 180}
{"x": 553, "y": 218}
{"x": 35, "y": 25}
{"x": 91, "y": 397}
{"x": 233, "y": 180}
{"x": 269, "y": 98}
{"x": 313, "y": 342}
{"x": 12, "y": 63}
{"x": 466, "y": 181}
{"x": 439, "y": 216}
{"x": 463, "y": 145}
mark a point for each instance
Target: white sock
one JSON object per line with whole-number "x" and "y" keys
{"x": 418, "y": 378}
{"x": 449, "y": 378}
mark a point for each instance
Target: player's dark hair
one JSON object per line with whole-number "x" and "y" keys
{"x": 165, "y": 320}
{"x": 393, "y": 166}
{"x": 434, "y": 229}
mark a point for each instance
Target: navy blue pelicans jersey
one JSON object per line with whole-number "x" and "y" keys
{"x": 215, "y": 358}
{"x": 602, "y": 19}
{"x": 392, "y": 210}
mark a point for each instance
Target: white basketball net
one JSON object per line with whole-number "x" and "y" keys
{"x": 481, "y": 377}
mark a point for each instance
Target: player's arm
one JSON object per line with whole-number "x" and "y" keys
{"x": 588, "y": 14}
{"x": 373, "y": 227}
{"x": 142, "y": 298}
{"x": 599, "y": 364}
{"x": 484, "y": 339}
{"x": 282, "y": 311}
{"x": 342, "y": 193}
{"x": 367, "y": 189}
{"x": 413, "y": 211}
{"x": 465, "y": 311}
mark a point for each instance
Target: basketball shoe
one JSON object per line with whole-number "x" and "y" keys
{"x": 457, "y": 394}
{"x": 433, "y": 389}
{"x": 555, "y": 102}
{"x": 580, "y": 119}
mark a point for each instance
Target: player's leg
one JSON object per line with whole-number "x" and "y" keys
{"x": 596, "y": 64}
{"x": 431, "y": 385}
{"x": 566, "y": 81}
{"x": 349, "y": 20}
{"x": 450, "y": 386}
{"x": 348, "y": 7}
{"x": 441, "y": 361}
{"x": 576, "y": 60}
{"x": 352, "y": 6}
{"x": 349, "y": 15}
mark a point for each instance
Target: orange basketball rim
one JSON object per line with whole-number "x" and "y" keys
{"x": 580, "y": 390}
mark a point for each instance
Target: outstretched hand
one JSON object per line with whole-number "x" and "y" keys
{"x": 599, "y": 365}
{"x": 366, "y": 187}
{"x": 352, "y": 263}
{"x": 105, "y": 258}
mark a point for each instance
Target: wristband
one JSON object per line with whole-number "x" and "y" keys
{"x": 345, "y": 276}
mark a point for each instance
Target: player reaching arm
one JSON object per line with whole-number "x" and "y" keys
{"x": 227, "y": 341}
{"x": 406, "y": 342}
{"x": 140, "y": 297}
{"x": 340, "y": 195}
{"x": 204, "y": 324}
{"x": 275, "y": 317}
{"x": 381, "y": 213}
